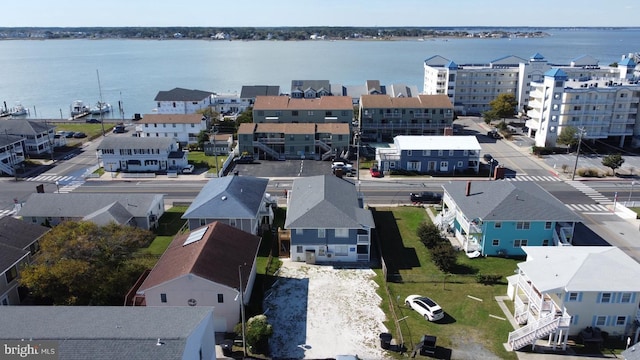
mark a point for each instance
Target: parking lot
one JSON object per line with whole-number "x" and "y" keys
{"x": 284, "y": 169}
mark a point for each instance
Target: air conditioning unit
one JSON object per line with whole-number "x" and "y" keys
{"x": 329, "y": 255}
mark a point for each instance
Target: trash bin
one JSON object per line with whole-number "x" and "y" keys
{"x": 385, "y": 340}
{"x": 227, "y": 347}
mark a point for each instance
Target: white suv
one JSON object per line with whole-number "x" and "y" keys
{"x": 425, "y": 307}
{"x": 188, "y": 169}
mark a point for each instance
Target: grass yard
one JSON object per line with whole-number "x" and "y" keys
{"x": 169, "y": 225}
{"x": 92, "y": 130}
{"x": 467, "y": 320}
{"x": 199, "y": 159}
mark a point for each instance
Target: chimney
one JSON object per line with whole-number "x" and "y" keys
{"x": 468, "y": 189}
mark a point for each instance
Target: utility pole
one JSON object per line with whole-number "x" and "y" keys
{"x": 244, "y": 344}
{"x": 575, "y": 167}
{"x": 215, "y": 150}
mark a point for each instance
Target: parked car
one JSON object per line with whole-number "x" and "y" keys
{"x": 119, "y": 129}
{"x": 188, "y": 169}
{"x": 244, "y": 159}
{"x": 375, "y": 172}
{"x": 427, "y": 197}
{"x": 341, "y": 165}
{"x": 69, "y": 134}
{"x": 494, "y": 134}
{"x": 93, "y": 121}
{"x": 425, "y": 307}
{"x": 79, "y": 135}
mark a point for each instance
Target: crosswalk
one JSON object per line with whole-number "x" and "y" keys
{"x": 71, "y": 186}
{"x": 533, "y": 178}
{"x": 62, "y": 180}
{"x": 588, "y": 208}
{"x": 4, "y": 213}
{"x": 593, "y": 194}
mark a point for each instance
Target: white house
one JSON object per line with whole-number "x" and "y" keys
{"x": 39, "y": 138}
{"x": 565, "y": 291}
{"x": 11, "y": 153}
{"x": 183, "y": 128}
{"x": 134, "y": 154}
{"x": 182, "y": 101}
{"x": 205, "y": 267}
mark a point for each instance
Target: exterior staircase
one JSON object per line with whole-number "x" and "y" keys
{"x": 328, "y": 152}
{"x": 274, "y": 154}
{"x": 533, "y": 331}
{"x": 6, "y": 168}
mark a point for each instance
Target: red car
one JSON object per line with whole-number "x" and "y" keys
{"x": 375, "y": 172}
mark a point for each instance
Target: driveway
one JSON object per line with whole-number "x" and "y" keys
{"x": 320, "y": 312}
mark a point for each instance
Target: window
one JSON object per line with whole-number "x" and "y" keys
{"x": 460, "y": 164}
{"x": 294, "y": 113}
{"x": 341, "y": 250}
{"x": 545, "y": 242}
{"x": 409, "y": 152}
{"x": 309, "y": 113}
{"x": 497, "y": 225}
{"x": 11, "y": 274}
{"x": 232, "y": 222}
{"x": 547, "y": 225}
{"x": 523, "y": 225}
{"x": 322, "y": 233}
{"x": 440, "y": 153}
{"x": 625, "y": 298}
{"x": 621, "y": 320}
{"x": 220, "y": 298}
{"x": 495, "y": 242}
{"x": 605, "y": 298}
{"x": 600, "y": 321}
{"x": 450, "y": 152}
{"x": 342, "y": 233}
{"x": 299, "y": 231}
{"x": 299, "y": 249}
{"x": 573, "y": 296}
{"x": 163, "y": 298}
{"x": 519, "y": 242}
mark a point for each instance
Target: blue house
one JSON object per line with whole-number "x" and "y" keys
{"x": 326, "y": 221}
{"x": 498, "y": 218}
{"x": 431, "y": 154}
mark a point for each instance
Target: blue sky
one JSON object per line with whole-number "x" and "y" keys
{"x": 258, "y": 13}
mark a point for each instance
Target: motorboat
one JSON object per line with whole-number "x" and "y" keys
{"x": 79, "y": 108}
{"x": 18, "y": 110}
{"x": 100, "y": 108}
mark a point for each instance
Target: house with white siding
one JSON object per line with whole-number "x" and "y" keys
{"x": 182, "y": 101}
{"x": 12, "y": 153}
{"x": 183, "y": 128}
{"x": 146, "y": 154}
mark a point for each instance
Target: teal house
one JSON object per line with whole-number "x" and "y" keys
{"x": 498, "y": 218}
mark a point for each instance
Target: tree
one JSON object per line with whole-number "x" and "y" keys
{"x": 257, "y": 333}
{"x": 568, "y": 136}
{"x": 203, "y": 137}
{"x": 81, "y": 263}
{"x": 429, "y": 235}
{"x": 489, "y": 116}
{"x": 245, "y": 117}
{"x": 503, "y": 106}
{"x": 613, "y": 161}
{"x": 444, "y": 256}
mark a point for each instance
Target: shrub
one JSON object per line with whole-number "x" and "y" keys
{"x": 488, "y": 279}
{"x": 429, "y": 235}
{"x": 444, "y": 256}
{"x": 257, "y": 333}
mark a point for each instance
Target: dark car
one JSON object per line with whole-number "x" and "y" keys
{"x": 427, "y": 197}
{"x": 244, "y": 159}
{"x": 79, "y": 135}
{"x": 93, "y": 121}
{"x": 69, "y": 134}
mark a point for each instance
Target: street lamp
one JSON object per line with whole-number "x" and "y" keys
{"x": 575, "y": 167}
{"x": 491, "y": 167}
{"x": 244, "y": 345}
{"x": 630, "y": 192}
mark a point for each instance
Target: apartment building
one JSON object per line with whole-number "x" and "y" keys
{"x": 183, "y": 128}
{"x": 284, "y": 109}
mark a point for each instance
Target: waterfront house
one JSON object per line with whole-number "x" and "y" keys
{"x": 183, "y": 128}
{"x": 309, "y": 89}
{"x": 498, "y": 218}
{"x": 239, "y": 201}
{"x": 146, "y": 154}
{"x": 183, "y": 101}
{"x": 373, "y": 87}
{"x": 571, "y": 291}
{"x": 293, "y": 141}
{"x": 205, "y": 267}
{"x": 249, "y": 93}
{"x": 39, "y": 138}
{"x": 284, "y": 109}
{"x": 19, "y": 241}
{"x": 12, "y": 153}
{"x": 382, "y": 117}
{"x": 112, "y": 332}
{"x": 431, "y": 154}
{"x": 140, "y": 210}
{"x": 326, "y": 221}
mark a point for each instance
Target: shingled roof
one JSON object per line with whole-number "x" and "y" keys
{"x": 180, "y": 94}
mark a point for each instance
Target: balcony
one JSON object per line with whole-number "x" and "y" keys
{"x": 271, "y": 140}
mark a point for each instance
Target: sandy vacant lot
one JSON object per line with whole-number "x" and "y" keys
{"x": 321, "y": 311}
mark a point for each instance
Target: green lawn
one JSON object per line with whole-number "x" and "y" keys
{"x": 467, "y": 320}
{"x": 199, "y": 159}
{"x": 169, "y": 225}
{"x": 92, "y": 130}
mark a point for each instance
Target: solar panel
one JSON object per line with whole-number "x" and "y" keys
{"x": 195, "y": 236}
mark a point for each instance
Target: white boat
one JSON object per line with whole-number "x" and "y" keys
{"x": 18, "y": 110}
{"x": 100, "y": 108}
{"x": 78, "y": 108}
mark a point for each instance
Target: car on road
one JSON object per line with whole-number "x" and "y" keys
{"x": 188, "y": 169}
{"x": 375, "y": 172}
{"x": 79, "y": 135}
{"x": 426, "y": 307}
{"x": 93, "y": 121}
{"x": 425, "y": 197}
{"x": 494, "y": 134}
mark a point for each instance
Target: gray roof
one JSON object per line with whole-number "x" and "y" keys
{"x": 229, "y": 197}
{"x": 326, "y": 201}
{"x": 20, "y": 234}
{"x": 130, "y": 142}
{"x": 316, "y": 85}
{"x": 106, "y": 332}
{"x": 180, "y": 94}
{"x": 9, "y": 139}
{"x": 580, "y": 268}
{"x": 508, "y": 201}
{"x": 9, "y": 255}
{"x": 23, "y": 127}
{"x": 113, "y": 212}
{"x": 251, "y": 91}
{"x": 78, "y": 205}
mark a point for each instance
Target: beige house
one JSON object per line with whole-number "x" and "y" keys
{"x": 204, "y": 268}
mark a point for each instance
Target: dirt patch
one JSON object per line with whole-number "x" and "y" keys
{"x": 321, "y": 311}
